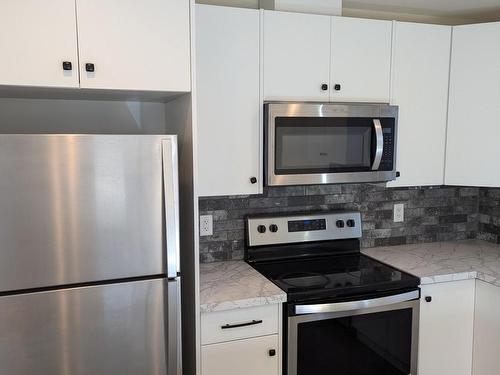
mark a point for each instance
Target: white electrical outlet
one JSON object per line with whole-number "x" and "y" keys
{"x": 206, "y": 225}
{"x": 399, "y": 213}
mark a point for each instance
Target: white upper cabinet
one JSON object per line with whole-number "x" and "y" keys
{"x": 473, "y": 152}
{"x": 36, "y": 37}
{"x": 360, "y": 60}
{"x": 421, "y": 58}
{"x": 228, "y": 100}
{"x": 134, "y": 45}
{"x": 296, "y": 56}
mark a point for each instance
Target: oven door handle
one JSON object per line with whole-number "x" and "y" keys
{"x": 380, "y": 144}
{"x": 356, "y": 305}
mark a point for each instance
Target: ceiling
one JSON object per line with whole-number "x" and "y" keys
{"x": 443, "y": 8}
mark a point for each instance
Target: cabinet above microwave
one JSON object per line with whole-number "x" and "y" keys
{"x": 324, "y": 143}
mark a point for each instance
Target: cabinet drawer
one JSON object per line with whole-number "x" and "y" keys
{"x": 256, "y": 356}
{"x": 236, "y": 324}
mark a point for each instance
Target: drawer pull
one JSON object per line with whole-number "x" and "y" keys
{"x": 252, "y": 323}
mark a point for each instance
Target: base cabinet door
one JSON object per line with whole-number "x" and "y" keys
{"x": 446, "y": 328}
{"x": 486, "y": 329}
{"x": 256, "y": 356}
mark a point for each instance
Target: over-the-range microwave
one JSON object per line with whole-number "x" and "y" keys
{"x": 325, "y": 143}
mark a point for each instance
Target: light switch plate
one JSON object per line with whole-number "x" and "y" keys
{"x": 206, "y": 225}
{"x": 399, "y": 212}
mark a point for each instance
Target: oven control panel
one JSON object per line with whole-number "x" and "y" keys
{"x": 269, "y": 230}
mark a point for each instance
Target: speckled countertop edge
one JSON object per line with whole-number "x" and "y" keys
{"x": 235, "y": 284}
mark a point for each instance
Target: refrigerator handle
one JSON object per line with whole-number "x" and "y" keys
{"x": 173, "y": 321}
{"x": 171, "y": 201}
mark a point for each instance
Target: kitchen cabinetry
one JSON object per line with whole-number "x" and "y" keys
{"x": 296, "y": 56}
{"x": 472, "y": 151}
{"x": 229, "y": 104}
{"x": 121, "y": 44}
{"x": 420, "y": 70}
{"x": 242, "y": 341}
{"x": 360, "y": 60}
{"x": 321, "y": 58}
{"x": 36, "y": 37}
{"x": 134, "y": 45}
{"x": 486, "y": 329}
{"x": 446, "y": 328}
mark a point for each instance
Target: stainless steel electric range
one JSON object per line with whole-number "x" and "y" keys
{"x": 346, "y": 314}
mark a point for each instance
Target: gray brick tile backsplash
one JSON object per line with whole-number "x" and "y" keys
{"x": 438, "y": 213}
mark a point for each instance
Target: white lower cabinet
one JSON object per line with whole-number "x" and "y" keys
{"x": 242, "y": 341}
{"x": 243, "y": 357}
{"x": 486, "y": 359}
{"x": 446, "y": 328}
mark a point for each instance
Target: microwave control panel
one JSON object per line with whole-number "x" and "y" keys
{"x": 387, "y": 162}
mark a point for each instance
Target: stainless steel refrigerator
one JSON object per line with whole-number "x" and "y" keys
{"x": 89, "y": 255}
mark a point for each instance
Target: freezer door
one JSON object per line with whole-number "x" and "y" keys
{"x": 121, "y": 329}
{"x": 80, "y": 208}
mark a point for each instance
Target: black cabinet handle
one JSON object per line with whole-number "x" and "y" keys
{"x": 272, "y": 352}
{"x": 89, "y": 67}
{"x": 337, "y": 87}
{"x": 253, "y": 180}
{"x": 324, "y": 87}
{"x": 398, "y": 174}
{"x": 67, "y": 65}
{"x": 428, "y": 299}
{"x": 252, "y": 323}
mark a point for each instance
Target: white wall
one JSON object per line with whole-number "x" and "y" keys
{"x": 81, "y": 116}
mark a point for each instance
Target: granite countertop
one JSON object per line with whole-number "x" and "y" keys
{"x": 444, "y": 261}
{"x": 235, "y": 284}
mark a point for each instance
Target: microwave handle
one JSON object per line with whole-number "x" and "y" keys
{"x": 380, "y": 144}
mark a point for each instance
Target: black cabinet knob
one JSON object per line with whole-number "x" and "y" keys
{"x": 428, "y": 299}
{"x": 337, "y": 87}
{"x": 398, "y": 174}
{"x": 253, "y": 180}
{"x": 324, "y": 87}
{"x": 67, "y": 65}
{"x": 261, "y": 229}
{"x": 89, "y": 67}
{"x": 340, "y": 223}
{"x": 272, "y": 352}
{"x": 351, "y": 223}
{"x": 273, "y": 228}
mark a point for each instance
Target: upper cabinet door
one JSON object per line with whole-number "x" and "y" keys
{"x": 36, "y": 38}
{"x": 228, "y": 100}
{"x": 134, "y": 45}
{"x": 472, "y": 152}
{"x": 360, "y": 60}
{"x": 296, "y": 56}
{"x": 421, "y": 61}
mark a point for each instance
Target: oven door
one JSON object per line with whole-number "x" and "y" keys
{"x": 376, "y": 336}
{"x": 329, "y": 143}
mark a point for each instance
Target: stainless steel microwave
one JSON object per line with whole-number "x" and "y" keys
{"x": 327, "y": 143}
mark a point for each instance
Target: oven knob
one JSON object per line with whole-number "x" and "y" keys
{"x": 273, "y": 228}
{"x": 261, "y": 229}
{"x": 340, "y": 224}
{"x": 351, "y": 223}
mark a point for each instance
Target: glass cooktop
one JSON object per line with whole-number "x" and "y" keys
{"x": 334, "y": 276}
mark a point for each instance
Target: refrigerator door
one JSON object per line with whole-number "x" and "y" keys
{"x": 126, "y": 329}
{"x": 82, "y": 208}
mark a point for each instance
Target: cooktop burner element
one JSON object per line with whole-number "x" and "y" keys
{"x": 315, "y": 257}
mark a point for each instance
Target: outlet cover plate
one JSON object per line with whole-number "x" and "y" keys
{"x": 206, "y": 225}
{"x": 399, "y": 212}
